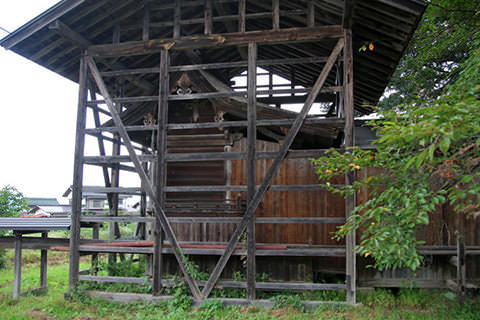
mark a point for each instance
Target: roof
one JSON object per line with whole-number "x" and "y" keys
{"x": 42, "y": 202}
{"x": 34, "y": 224}
{"x": 53, "y": 209}
{"x": 389, "y": 24}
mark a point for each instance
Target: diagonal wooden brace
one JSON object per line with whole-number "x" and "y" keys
{"x": 160, "y": 215}
{"x": 253, "y": 204}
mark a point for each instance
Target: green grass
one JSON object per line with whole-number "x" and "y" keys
{"x": 378, "y": 304}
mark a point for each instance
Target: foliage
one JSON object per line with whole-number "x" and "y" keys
{"x": 210, "y": 309}
{"x": 11, "y": 202}
{"x": 288, "y": 301}
{"x": 378, "y": 304}
{"x": 436, "y": 55}
{"x": 430, "y": 153}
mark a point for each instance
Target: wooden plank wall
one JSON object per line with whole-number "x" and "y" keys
{"x": 317, "y": 203}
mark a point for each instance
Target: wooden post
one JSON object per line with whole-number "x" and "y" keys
{"x": 242, "y": 5}
{"x": 350, "y": 201}
{"x": 461, "y": 269}
{"x": 161, "y": 171}
{"x": 270, "y": 83}
{"x": 292, "y": 133}
{"x": 78, "y": 176}
{"x": 43, "y": 264}
{"x": 114, "y": 232}
{"x": 177, "y": 16}
{"x": 251, "y": 163}
{"x": 17, "y": 271}
{"x": 311, "y": 14}
{"x": 95, "y": 236}
{"x": 208, "y": 16}
{"x": 292, "y": 80}
{"x": 146, "y": 22}
{"x": 276, "y": 15}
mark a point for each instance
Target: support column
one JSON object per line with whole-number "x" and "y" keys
{"x": 17, "y": 271}
{"x": 78, "y": 176}
{"x": 95, "y": 236}
{"x": 350, "y": 201}
{"x": 161, "y": 177}
{"x": 43, "y": 264}
{"x": 251, "y": 164}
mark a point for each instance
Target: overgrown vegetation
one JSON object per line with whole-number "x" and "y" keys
{"x": 378, "y": 304}
{"x": 430, "y": 152}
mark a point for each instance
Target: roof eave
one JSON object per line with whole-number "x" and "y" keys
{"x": 39, "y": 22}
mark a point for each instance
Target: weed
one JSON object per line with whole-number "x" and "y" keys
{"x": 288, "y": 301}
{"x": 210, "y": 308}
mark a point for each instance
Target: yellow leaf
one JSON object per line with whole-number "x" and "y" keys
{"x": 367, "y": 254}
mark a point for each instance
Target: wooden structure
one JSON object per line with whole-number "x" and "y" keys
{"x": 21, "y": 226}
{"x": 216, "y": 159}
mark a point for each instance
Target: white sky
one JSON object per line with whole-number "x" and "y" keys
{"x": 37, "y": 116}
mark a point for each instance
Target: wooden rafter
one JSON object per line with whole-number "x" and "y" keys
{"x": 160, "y": 214}
{"x": 347, "y": 18}
{"x": 253, "y": 204}
{"x": 82, "y": 43}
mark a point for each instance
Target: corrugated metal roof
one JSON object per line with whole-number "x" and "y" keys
{"x": 34, "y": 224}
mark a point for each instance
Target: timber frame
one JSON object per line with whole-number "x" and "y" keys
{"x": 315, "y": 52}
{"x": 156, "y": 193}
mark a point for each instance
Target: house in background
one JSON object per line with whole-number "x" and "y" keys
{"x": 47, "y": 207}
{"x": 97, "y": 202}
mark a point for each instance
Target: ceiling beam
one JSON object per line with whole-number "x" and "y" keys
{"x": 218, "y": 40}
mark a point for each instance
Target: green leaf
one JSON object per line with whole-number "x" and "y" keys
{"x": 444, "y": 145}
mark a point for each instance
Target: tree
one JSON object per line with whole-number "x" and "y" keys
{"x": 430, "y": 152}
{"x": 11, "y": 204}
{"x": 436, "y": 54}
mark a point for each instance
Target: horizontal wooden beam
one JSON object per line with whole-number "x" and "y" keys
{"x": 212, "y": 95}
{"x": 211, "y": 156}
{"x": 224, "y": 188}
{"x": 217, "y": 40}
{"x": 294, "y": 252}
{"x": 218, "y": 65}
{"x": 116, "y": 159}
{"x": 123, "y": 218}
{"x": 259, "y": 220}
{"x": 140, "y": 297}
{"x": 223, "y": 283}
{"x": 259, "y": 123}
{"x": 115, "y": 129}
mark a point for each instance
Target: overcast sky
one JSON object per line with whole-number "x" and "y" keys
{"x": 37, "y": 116}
